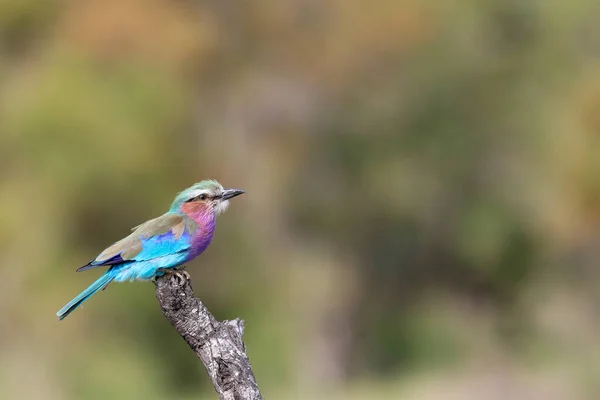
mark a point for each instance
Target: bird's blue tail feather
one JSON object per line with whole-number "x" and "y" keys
{"x": 100, "y": 284}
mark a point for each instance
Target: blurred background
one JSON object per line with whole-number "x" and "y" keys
{"x": 423, "y": 211}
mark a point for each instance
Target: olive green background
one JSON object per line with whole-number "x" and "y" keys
{"x": 423, "y": 207}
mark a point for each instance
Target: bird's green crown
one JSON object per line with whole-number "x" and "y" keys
{"x": 209, "y": 187}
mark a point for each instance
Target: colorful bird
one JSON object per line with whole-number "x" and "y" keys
{"x": 158, "y": 246}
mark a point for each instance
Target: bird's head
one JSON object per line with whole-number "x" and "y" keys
{"x": 204, "y": 196}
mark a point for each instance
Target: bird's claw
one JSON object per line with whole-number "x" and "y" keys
{"x": 182, "y": 275}
{"x": 179, "y": 277}
{"x": 186, "y": 275}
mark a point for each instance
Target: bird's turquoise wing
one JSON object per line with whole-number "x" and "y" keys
{"x": 163, "y": 236}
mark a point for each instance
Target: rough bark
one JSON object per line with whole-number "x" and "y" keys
{"x": 218, "y": 344}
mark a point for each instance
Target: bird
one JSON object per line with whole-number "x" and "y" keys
{"x": 162, "y": 244}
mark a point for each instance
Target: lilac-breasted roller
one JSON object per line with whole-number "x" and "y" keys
{"x": 161, "y": 244}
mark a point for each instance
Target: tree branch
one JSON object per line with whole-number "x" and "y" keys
{"x": 218, "y": 344}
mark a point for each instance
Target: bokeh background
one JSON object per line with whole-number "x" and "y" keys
{"x": 423, "y": 211}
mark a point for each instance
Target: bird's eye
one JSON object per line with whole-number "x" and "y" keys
{"x": 201, "y": 197}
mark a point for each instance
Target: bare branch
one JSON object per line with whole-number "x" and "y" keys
{"x": 218, "y": 344}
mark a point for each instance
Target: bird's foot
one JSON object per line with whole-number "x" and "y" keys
{"x": 183, "y": 272}
{"x": 182, "y": 275}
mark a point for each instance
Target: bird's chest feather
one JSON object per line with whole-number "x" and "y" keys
{"x": 203, "y": 235}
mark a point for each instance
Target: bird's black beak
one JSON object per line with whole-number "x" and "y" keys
{"x": 230, "y": 193}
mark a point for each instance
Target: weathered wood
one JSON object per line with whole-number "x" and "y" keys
{"x": 218, "y": 344}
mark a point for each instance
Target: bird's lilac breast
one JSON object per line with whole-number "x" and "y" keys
{"x": 202, "y": 237}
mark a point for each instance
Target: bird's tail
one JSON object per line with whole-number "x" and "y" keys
{"x": 100, "y": 284}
